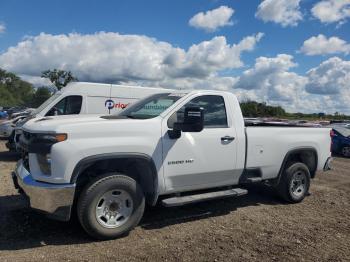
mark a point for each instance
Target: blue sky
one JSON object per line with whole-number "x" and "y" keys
{"x": 169, "y": 21}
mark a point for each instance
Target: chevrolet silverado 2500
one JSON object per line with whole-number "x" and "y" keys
{"x": 174, "y": 148}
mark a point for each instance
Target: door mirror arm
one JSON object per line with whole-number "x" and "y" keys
{"x": 174, "y": 133}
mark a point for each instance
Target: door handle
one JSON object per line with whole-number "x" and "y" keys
{"x": 227, "y": 138}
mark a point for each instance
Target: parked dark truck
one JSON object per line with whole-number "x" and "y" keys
{"x": 177, "y": 148}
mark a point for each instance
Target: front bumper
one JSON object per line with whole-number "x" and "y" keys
{"x": 55, "y": 200}
{"x": 328, "y": 164}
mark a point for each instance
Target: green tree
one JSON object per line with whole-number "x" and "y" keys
{"x": 60, "y": 78}
{"x": 255, "y": 109}
{"x": 40, "y": 96}
{"x": 13, "y": 90}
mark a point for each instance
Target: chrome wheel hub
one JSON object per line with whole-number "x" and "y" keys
{"x": 298, "y": 184}
{"x": 114, "y": 208}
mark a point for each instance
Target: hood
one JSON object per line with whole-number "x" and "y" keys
{"x": 87, "y": 125}
{"x": 51, "y": 123}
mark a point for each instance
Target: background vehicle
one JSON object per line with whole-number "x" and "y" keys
{"x": 25, "y": 112}
{"x": 15, "y": 109}
{"x": 7, "y": 127}
{"x": 179, "y": 148}
{"x": 79, "y": 98}
{"x": 3, "y": 114}
{"x": 341, "y": 140}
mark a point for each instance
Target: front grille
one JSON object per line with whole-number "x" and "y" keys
{"x": 27, "y": 135}
{"x": 25, "y": 159}
{"x": 24, "y": 149}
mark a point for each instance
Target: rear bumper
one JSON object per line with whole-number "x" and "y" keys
{"x": 55, "y": 200}
{"x": 328, "y": 164}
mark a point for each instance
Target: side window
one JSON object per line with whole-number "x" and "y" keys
{"x": 214, "y": 111}
{"x": 73, "y": 105}
{"x": 70, "y": 105}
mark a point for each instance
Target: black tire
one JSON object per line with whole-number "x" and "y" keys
{"x": 91, "y": 194}
{"x": 287, "y": 183}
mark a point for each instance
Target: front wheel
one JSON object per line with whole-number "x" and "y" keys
{"x": 110, "y": 206}
{"x": 294, "y": 183}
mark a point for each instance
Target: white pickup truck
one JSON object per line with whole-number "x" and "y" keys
{"x": 174, "y": 148}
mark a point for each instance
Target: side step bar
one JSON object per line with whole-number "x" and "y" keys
{"x": 190, "y": 199}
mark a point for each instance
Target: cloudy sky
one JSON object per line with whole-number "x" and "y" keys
{"x": 293, "y": 53}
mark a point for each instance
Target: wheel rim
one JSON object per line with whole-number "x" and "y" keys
{"x": 346, "y": 151}
{"x": 298, "y": 184}
{"x": 114, "y": 208}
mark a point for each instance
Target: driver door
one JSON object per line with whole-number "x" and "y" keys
{"x": 200, "y": 159}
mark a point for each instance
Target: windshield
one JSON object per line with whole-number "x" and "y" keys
{"x": 343, "y": 131}
{"x": 151, "y": 107}
{"x": 45, "y": 104}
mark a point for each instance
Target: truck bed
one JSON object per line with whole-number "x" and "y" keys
{"x": 267, "y": 146}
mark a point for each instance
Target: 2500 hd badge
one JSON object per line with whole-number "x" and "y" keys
{"x": 179, "y": 162}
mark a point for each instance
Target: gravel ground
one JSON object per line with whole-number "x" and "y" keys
{"x": 255, "y": 227}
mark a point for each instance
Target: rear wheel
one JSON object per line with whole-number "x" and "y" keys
{"x": 294, "y": 183}
{"x": 110, "y": 206}
{"x": 346, "y": 151}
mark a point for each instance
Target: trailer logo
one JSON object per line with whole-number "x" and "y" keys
{"x": 109, "y": 104}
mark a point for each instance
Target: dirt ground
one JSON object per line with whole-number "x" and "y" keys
{"x": 255, "y": 227}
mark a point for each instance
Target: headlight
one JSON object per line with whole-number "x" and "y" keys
{"x": 53, "y": 137}
{"x": 44, "y": 161}
{"x": 42, "y": 144}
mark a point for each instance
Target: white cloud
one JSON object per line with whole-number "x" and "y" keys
{"x": 112, "y": 57}
{"x": 323, "y": 89}
{"x": 211, "y": 82}
{"x": 267, "y": 72}
{"x": 135, "y": 59}
{"x": 320, "y": 45}
{"x": 36, "y": 81}
{"x": 330, "y": 11}
{"x": 208, "y": 57}
{"x": 2, "y": 28}
{"x": 212, "y": 19}
{"x": 284, "y": 12}
{"x": 270, "y": 80}
{"x": 331, "y": 77}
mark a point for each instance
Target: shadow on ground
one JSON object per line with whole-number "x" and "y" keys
{"x": 22, "y": 228}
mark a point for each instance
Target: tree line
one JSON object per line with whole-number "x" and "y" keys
{"x": 256, "y": 109}
{"x": 16, "y": 92}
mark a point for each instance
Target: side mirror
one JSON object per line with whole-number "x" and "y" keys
{"x": 193, "y": 122}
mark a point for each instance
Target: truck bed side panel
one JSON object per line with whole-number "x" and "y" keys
{"x": 268, "y": 146}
